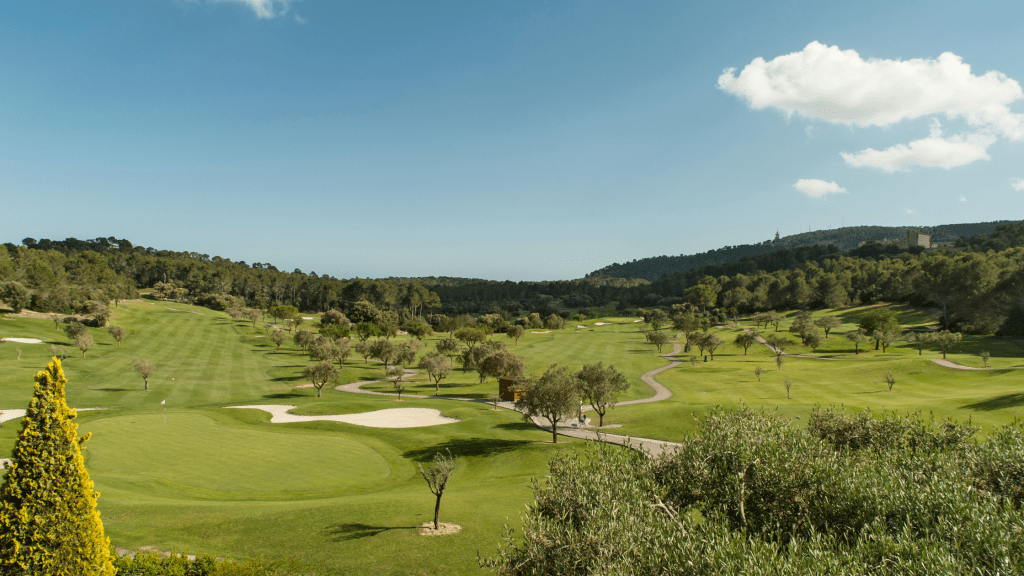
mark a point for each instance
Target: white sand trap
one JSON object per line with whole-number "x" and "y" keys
{"x": 635, "y": 321}
{"x": 307, "y": 317}
{"x": 601, "y": 323}
{"x": 581, "y": 326}
{"x": 23, "y": 340}
{"x": 18, "y": 413}
{"x": 389, "y": 418}
{"x": 541, "y": 332}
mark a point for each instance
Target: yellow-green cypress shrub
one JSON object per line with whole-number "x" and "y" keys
{"x": 48, "y": 518}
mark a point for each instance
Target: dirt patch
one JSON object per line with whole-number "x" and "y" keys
{"x": 443, "y": 529}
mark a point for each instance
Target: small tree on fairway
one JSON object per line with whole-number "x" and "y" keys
{"x": 437, "y": 475}
{"x": 659, "y": 339}
{"x": 501, "y": 364}
{"x": 778, "y": 343}
{"x": 745, "y": 340}
{"x": 918, "y": 339}
{"x": 757, "y": 372}
{"x": 278, "y": 337}
{"x": 827, "y": 323}
{"x": 984, "y": 358}
{"x": 515, "y": 332}
{"x": 712, "y": 342}
{"x": 304, "y": 338}
{"x": 880, "y": 321}
{"x": 947, "y": 340}
{"x": 319, "y": 374}
{"x": 344, "y": 351}
{"x": 56, "y": 318}
{"x": 84, "y": 342}
{"x": 553, "y": 396}
{"x": 449, "y": 347}
{"x": 253, "y": 314}
{"x": 812, "y": 339}
{"x": 693, "y": 360}
{"x": 886, "y": 336}
{"x": 890, "y": 380}
{"x": 48, "y": 518}
{"x": 74, "y": 329}
{"x": 438, "y": 367}
{"x": 365, "y": 330}
{"x": 363, "y": 349}
{"x": 117, "y": 333}
{"x": 858, "y": 337}
{"x": 396, "y": 372}
{"x": 145, "y": 368}
{"x": 58, "y": 351}
{"x": 779, "y": 361}
{"x": 789, "y": 384}
{"x": 599, "y": 386}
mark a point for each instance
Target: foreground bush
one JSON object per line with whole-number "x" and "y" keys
{"x": 753, "y": 493}
{"x": 150, "y": 564}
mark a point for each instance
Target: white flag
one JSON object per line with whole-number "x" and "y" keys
{"x": 162, "y": 402}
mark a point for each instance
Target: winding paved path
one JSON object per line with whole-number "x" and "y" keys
{"x": 649, "y": 445}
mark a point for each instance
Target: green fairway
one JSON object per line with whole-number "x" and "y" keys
{"x": 341, "y": 498}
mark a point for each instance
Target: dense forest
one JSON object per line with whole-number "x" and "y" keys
{"x": 978, "y": 285}
{"x": 842, "y": 238}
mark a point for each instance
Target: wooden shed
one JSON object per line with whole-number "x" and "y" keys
{"x": 507, "y": 389}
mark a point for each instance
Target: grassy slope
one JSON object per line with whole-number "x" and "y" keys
{"x": 344, "y": 498}
{"x": 333, "y": 496}
{"x": 989, "y": 397}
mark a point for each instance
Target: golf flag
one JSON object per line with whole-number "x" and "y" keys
{"x": 162, "y": 402}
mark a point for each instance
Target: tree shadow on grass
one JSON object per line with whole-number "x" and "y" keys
{"x": 357, "y": 530}
{"x": 116, "y": 389}
{"x": 998, "y": 402}
{"x": 467, "y": 447}
{"x": 517, "y": 426}
{"x": 284, "y": 395}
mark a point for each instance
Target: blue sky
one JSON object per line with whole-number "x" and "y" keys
{"x": 522, "y": 141}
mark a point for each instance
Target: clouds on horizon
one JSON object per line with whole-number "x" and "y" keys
{"x": 838, "y": 86}
{"x": 1017, "y": 184}
{"x": 817, "y": 188}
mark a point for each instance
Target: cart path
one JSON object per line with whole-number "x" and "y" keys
{"x": 649, "y": 445}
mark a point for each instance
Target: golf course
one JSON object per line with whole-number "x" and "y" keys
{"x": 178, "y": 470}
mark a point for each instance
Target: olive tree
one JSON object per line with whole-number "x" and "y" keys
{"x": 918, "y": 339}
{"x": 438, "y": 367}
{"x": 745, "y": 340}
{"x": 711, "y": 343}
{"x": 554, "y": 396}
{"x": 827, "y": 323}
{"x": 74, "y": 329}
{"x": 117, "y": 333}
{"x": 437, "y": 475}
{"x": 17, "y": 296}
{"x": 947, "y": 340}
{"x": 144, "y": 368}
{"x": 84, "y": 342}
{"x": 319, "y": 374}
{"x": 600, "y": 386}
{"x": 448, "y": 346}
{"x": 858, "y": 337}
{"x": 659, "y": 339}
{"x": 279, "y": 337}
{"x": 514, "y": 332}
{"x": 501, "y": 364}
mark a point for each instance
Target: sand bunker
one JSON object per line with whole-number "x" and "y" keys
{"x": 601, "y": 323}
{"x": 17, "y": 413}
{"x": 23, "y": 340}
{"x": 307, "y": 317}
{"x": 635, "y": 321}
{"x": 581, "y": 326}
{"x": 389, "y": 418}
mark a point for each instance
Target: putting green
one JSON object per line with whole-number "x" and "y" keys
{"x": 194, "y": 456}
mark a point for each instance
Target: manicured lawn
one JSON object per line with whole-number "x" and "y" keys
{"x": 339, "y": 498}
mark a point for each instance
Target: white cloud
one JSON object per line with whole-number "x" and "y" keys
{"x": 963, "y": 198}
{"x": 300, "y": 19}
{"x": 911, "y": 211}
{"x": 935, "y": 151}
{"x": 1017, "y": 184}
{"x": 817, "y": 188}
{"x": 262, "y": 8}
{"x": 826, "y": 83}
